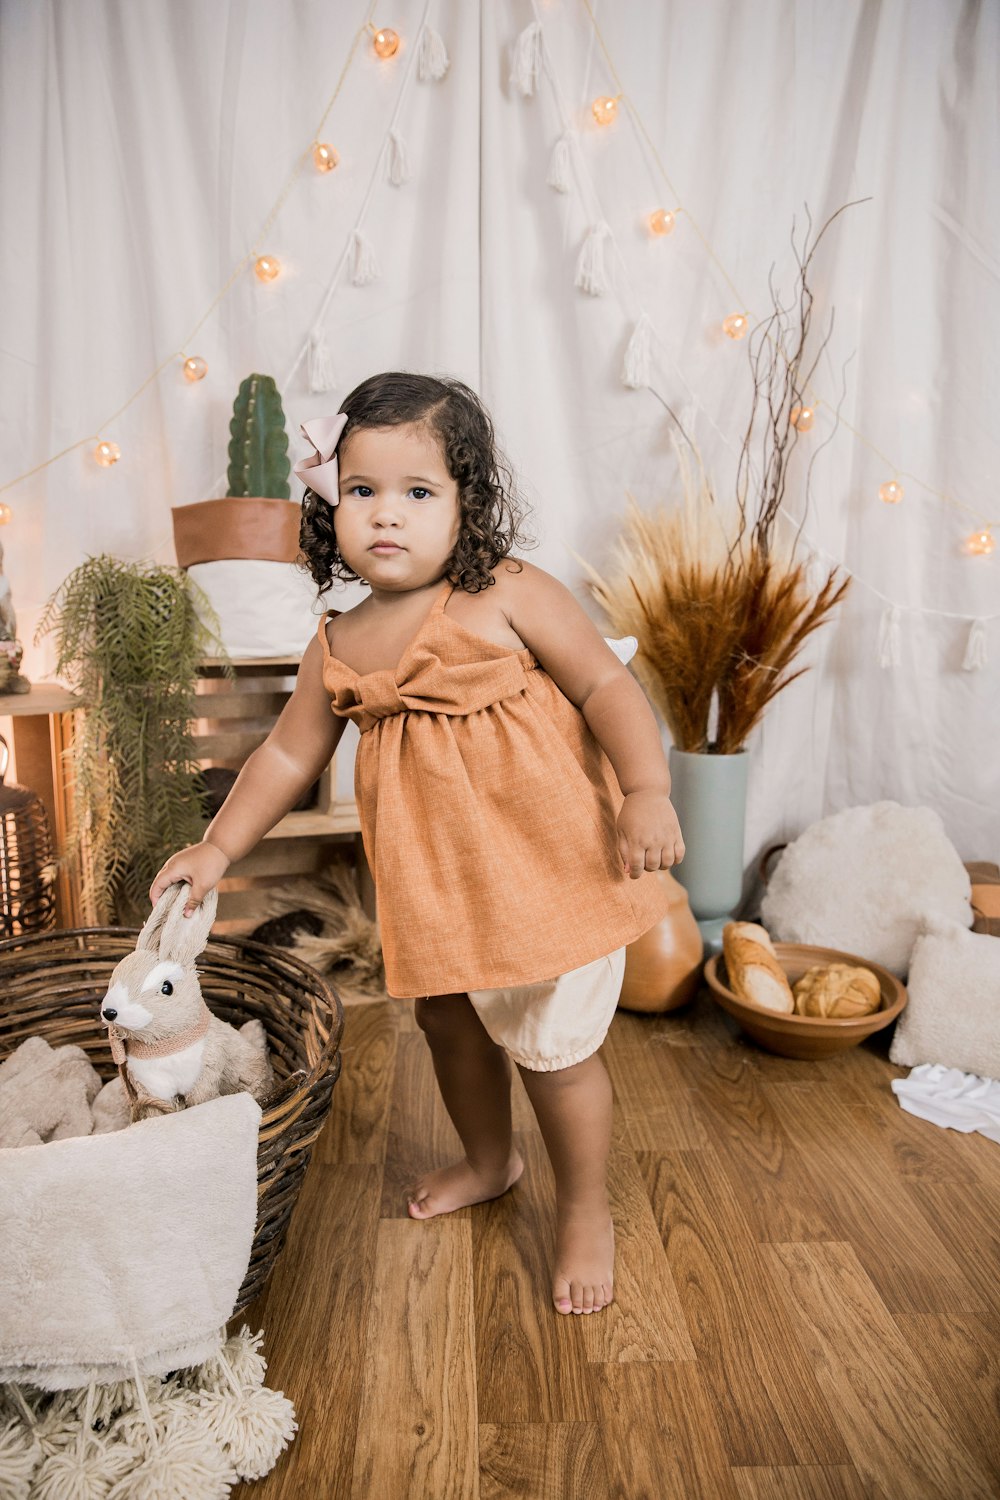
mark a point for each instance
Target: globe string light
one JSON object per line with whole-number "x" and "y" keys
{"x": 815, "y": 399}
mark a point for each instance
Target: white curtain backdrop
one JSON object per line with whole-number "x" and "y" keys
{"x": 143, "y": 145}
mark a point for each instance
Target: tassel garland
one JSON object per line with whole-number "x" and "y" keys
{"x": 432, "y": 56}
{"x": 320, "y": 370}
{"x": 527, "y": 59}
{"x": 888, "y": 638}
{"x": 364, "y": 267}
{"x": 399, "y": 161}
{"x": 591, "y": 272}
{"x": 558, "y": 177}
{"x": 975, "y": 650}
{"x": 636, "y": 369}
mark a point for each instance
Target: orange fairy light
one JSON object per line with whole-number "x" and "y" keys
{"x": 107, "y": 454}
{"x": 267, "y": 267}
{"x": 802, "y": 418}
{"x": 325, "y": 158}
{"x": 386, "y": 42}
{"x": 195, "y": 368}
{"x": 605, "y": 109}
{"x": 660, "y": 221}
{"x": 736, "y": 325}
{"x": 891, "y": 492}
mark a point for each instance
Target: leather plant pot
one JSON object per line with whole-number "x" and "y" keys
{"x": 236, "y": 527}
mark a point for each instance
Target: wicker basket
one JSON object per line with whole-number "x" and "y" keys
{"x": 51, "y": 984}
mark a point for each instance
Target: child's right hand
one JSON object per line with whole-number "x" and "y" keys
{"x": 201, "y": 866}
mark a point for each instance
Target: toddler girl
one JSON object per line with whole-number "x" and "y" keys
{"x": 512, "y": 792}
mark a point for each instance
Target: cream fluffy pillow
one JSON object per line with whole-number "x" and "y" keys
{"x": 953, "y": 1014}
{"x": 867, "y": 880}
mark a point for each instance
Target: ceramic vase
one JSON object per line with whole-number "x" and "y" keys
{"x": 709, "y": 794}
{"x": 663, "y": 966}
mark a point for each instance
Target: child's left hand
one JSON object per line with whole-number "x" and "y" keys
{"x": 649, "y": 835}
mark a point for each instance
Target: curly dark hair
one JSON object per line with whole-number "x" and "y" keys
{"x": 491, "y": 509}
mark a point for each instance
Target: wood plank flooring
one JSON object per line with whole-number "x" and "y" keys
{"x": 807, "y": 1290}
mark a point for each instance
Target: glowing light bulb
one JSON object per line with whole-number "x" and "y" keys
{"x": 661, "y": 221}
{"x": 980, "y": 543}
{"x": 802, "y": 417}
{"x": 605, "y": 110}
{"x": 891, "y": 492}
{"x": 107, "y": 454}
{"x": 386, "y": 42}
{"x": 736, "y": 325}
{"x": 267, "y": 267}
{"x": 5, "y": 513}
{"x": 195, "y": 368}
{"x": 325, "y": 157}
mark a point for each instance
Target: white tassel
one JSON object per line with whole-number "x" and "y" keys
{"x": 432, "y": 56}
{"x": 888, "y": 638}
{"x": 364, "y": 266}
{"x": 559, "y": 165}
{"x": 527, "y": 59}
{"x": 591, "y": 272}
{"x": 318, "y": 360}
{"x": 975, "y": 650}
{"x": 636, "y": 369}
{"x": 399, "y": 161}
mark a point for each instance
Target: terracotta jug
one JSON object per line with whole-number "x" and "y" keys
{"x": 663, "y": 967}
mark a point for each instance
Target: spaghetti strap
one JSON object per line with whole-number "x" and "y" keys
{"x": 444, "y": 594}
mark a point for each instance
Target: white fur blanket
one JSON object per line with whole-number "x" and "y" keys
{"x": 127, "y": 1246}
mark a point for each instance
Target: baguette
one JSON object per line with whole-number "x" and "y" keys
{"x": 755, "y": 975}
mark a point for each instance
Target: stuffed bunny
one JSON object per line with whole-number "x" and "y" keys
{"x": 173, "y": 1047}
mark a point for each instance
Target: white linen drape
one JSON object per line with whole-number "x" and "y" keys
{"x": 142, "y": 145}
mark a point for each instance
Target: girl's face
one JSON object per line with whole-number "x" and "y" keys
{"x": 398, "y": 516}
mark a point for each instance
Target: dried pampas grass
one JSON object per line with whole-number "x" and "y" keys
{"x": 348, "y": 947}
{"x": 719, "y": 621}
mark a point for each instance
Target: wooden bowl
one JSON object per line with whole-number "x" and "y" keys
{"x": 807, "y": 1036}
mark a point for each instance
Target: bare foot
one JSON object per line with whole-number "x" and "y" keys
{"x": 459, "y": 1185}
{"x": 583, "y": 1278}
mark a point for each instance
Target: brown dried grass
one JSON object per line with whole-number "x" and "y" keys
{"x": 719, "y": 621}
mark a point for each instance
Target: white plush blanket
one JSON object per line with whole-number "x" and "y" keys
{"x": 128, "y": 1246}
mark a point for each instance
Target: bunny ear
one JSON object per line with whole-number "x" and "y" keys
{"x": 149, "y": 937}
{"x": 184, "y": 937}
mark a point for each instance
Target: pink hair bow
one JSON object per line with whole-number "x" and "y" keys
{"x": 319, "y": 471}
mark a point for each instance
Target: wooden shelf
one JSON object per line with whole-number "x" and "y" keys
{"x": 45, "y": 698}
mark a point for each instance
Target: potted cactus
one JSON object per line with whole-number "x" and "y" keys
{"x": 240, "y": 549}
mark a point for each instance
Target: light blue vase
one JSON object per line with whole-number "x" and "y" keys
{"x": 709, "y": 793}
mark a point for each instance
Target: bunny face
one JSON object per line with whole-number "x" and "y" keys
{"x": 154, "y": 992}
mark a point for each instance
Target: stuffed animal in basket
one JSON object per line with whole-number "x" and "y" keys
{"x": 171, "y": 1050}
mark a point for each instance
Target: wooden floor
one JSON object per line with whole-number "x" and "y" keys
{"x": 807, "y": 1290}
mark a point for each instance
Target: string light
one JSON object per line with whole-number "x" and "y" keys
{"x": 980, "y": 543}
{"x": 891, "y": 492}
{"x": 267, "y": 267}
{"x": 802, "y": 418}
{"x": 6, "y": 514}
{"x": 195, "y": 368}
{"x": 386, "y": 42}
{"x": 605, "y": 109}
{"x": 736, "y": 325}
{"x": 107, "y": 454}
{"x": 325, "y": 158}
{"x": 661, "y": 221}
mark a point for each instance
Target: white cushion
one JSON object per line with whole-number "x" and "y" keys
{"x": 264, "y": 608}
{"x": 866, "y": 880}
{"x": 953, "y": 1014}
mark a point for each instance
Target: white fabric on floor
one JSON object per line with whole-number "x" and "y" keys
{"x": 144, "y": 146}
{"x": 136, "y": 1242}
{"x": 949, "y": 1097}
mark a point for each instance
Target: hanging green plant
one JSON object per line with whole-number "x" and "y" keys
{"x": 129, "y": 638}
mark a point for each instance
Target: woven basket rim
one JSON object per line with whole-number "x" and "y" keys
{"x": 235, "y": 945}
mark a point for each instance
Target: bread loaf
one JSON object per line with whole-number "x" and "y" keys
{"x": 754, "y": 973}
{"x": 837, "y": 990}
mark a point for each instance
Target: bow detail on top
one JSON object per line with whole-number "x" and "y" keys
{"x": 319, "y": 471}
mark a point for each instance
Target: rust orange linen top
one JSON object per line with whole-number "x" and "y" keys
{"x": 488, "y": 813}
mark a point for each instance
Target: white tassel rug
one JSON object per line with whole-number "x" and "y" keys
{"x": 191, "y": 1435}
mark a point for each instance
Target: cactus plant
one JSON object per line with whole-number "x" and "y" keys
{"x": 258, "y": 446}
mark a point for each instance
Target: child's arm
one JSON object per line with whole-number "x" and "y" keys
{"x": 270, "y": 783}
{"x": 571, "y": 649}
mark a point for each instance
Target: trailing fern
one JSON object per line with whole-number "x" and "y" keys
{"x": 129, "y": 640}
